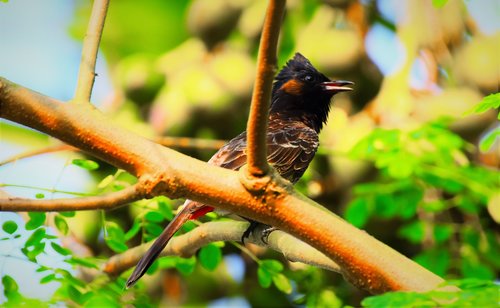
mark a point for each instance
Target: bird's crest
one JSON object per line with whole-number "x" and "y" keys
{"x": 297, "y": 64}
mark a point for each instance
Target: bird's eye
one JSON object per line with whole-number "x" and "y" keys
{"x": 308, "y": 78}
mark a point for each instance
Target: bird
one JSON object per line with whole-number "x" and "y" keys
{"x": 300, "y": 104}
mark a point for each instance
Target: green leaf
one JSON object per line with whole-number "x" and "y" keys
{"x": 86, "y": 164}
{"x": 328, "y": 298}
{"x": 86, "y": 262}
{"x": 186, "y": 265}
{"x": 434, "y": 206}
{"x": 167, "y": 262}
{"x": 210, "y": 256}
{"x": 400, "y": 300}
{"x": 136, "y": 227}
{"x": 36, "y": 220}
{"x": 115, "y": 238}
{"x": 100, "y": 301}
{"x": 436, "y": 260}
{"x": 106, "y": 181}
{"x": 9, "y": 226}
{"x": 33, "y": 251}
{"x": 401, "y": 166}
{"x": 154, "y": 216}
{"x": 265, "y": 278}
{"x": 35, "y": 238}
{"x": 61, "y": 224}
{"x": 116, "y": 246}
{"x": 414, "y": 232}
{"x": 74, "y": 294}
{"x": 39, "y": 196}
{"x": 68, "y": 214}
{"x": 273, "y": 266}
{"x": 439, "y": 3}
{"x": 60, "y": 250}
{"x": 488, "y": 141}
{"x": 491, "y": 101}
{"x": 442, "y": 233}
{"x": 471, "y": 269}
{"x": 153, "y": 229}
{"x": 385, "y": 206}
{"x": 164, "y": 207}
{"x": 282, "y": 283}
{"x": 48, "y": 278}
{"x": 358, "y": 211}
{"x": 9, "y": 284}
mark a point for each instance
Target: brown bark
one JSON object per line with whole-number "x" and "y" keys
{"x": 365, "y": 261}
{"x": 261, "y": 96}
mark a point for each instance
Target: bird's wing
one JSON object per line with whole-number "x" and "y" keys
{"x": 290, "y": 150}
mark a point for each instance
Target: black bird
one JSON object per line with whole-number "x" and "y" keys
{"x": 300, "y": 104}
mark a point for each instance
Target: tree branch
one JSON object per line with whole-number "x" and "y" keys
{"x": 261, "y": 96}
{"x": 86, "y": 74}
{"x": 109, "y": 201}
{"x": 366, "y": 262}
{"x": 187, "y": 244}
{"x": 49, "y": 149}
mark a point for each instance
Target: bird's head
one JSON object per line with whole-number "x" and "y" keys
{"x": 300, "y": 89}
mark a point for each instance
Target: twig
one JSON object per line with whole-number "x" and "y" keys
{"x": 187, "y": 244}
{"x": 31, "y": 153}
{"x": 86, "y": 74}
{"x": 261, "y": 96}
{"x": 109, "y": 201}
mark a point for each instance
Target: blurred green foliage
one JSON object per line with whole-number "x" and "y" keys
{"x": 421, "y": 185}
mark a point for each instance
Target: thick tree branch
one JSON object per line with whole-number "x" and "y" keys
{"x": 187, "y": 244}
{"x": 261, "y": 96}
{"x": 365, "y": 262}
{"x": 109, "y": 201}
{"x": 86, "y": 74}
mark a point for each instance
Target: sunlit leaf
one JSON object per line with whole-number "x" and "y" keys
{"x": 154, "y": 216}
{"x": 48, "y": 278}
{"x": 9, "y": 226}
{"x": 273, "y": 266}
{"x": 488, "y": 141}
{"x": 210, "y": 256}
{"x": 436, "y": 260}
{"x": 186, "y": 265}
{"x": 282, "y": 283}
{"x": 414, "y": 232}
{"x": 265, "y": 278}
{"x": 164, "y": 207}
{"x": 59, "y": 249}
{"x": 358, "y": 211}
{"x": 36, "y": 220}
{"x": 85, "y": 164}
{"x": 61, "y": 224}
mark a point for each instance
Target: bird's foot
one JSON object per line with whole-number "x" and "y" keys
{"x": 265, "y": 234}
{"x": 248, "y": 231}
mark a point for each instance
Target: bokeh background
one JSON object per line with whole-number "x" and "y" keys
{"x": 400, "y": 156}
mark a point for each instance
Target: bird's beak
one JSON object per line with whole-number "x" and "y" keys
{"x": 337, "y": 85}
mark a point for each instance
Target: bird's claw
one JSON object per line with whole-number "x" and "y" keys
{"x": 265, "y": 234}
{"x": 248, "y": 231}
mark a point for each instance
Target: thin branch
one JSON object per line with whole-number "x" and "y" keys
{"x": 365, "y": 261}
{"x": 109, "y": 201}
{"x": 261, "y": 96}
{"x": 31, "y": 153}
{"x": 187, "y": 244}
{"x": 86, "y": 74}
{"x": 171, "y": 142}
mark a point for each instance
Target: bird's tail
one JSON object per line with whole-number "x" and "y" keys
{"x": 154, "y": 251}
